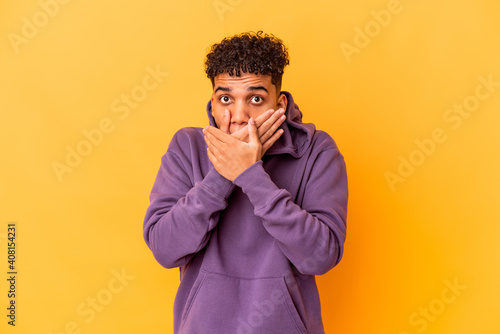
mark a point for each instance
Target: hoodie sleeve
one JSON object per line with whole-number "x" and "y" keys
{"x": 311, "y": 235}
{"x": 181, "y": 215}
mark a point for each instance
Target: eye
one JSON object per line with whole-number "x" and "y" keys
{"x": 257, "y": 99}
{"x": 224, "y": 99}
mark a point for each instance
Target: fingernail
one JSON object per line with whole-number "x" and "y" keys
{"x": 226, "y": 112}
{"x": 251, "y": 121}
{"x": 282, "y": 118}
{"x": 282, "y": 111}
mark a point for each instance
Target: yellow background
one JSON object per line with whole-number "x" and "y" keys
{"x": 406, "y": 242}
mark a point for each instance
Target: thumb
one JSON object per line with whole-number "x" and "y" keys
{"x": 252, "y": 132}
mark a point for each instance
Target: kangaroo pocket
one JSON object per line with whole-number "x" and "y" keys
{"x": 223, "y": 304}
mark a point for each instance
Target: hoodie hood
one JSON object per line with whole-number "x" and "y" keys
{"x": 296, "y": 137}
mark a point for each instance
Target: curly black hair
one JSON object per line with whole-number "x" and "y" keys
{"x": 248, "y": 52}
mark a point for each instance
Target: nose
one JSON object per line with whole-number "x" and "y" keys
{"x": 239, "y": 114}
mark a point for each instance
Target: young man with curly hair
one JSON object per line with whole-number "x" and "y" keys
{"x": 251, "y": 207}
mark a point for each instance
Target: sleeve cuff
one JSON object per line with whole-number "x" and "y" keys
{"x": 257, "y": 185}
{"x": 217, "y": 184}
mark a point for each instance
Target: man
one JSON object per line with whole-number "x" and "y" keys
{"x": 251, "y": 207}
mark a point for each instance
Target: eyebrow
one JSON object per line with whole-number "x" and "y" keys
{"x": 253, "y": 88}
{"x": 250, "y": 89}
{"x": 224, "y": 89}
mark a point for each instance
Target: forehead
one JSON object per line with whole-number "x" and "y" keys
{"x": 243, "y": 81}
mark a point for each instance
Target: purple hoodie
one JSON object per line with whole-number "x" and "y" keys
{"x": 248, "y": 250}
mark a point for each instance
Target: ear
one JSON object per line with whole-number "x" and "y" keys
{"x": 282, "y": 101}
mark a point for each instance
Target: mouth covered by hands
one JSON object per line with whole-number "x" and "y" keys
{"x": 231, "y": 154}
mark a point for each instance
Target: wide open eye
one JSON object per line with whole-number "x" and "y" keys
{"x": 257, "y": 99}
{"x": 224, "y": 99}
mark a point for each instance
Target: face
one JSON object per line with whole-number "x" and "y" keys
{"x": 248, "y": 95}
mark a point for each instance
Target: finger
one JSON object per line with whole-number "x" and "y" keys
{"x": 267, "y": 145}
{"x": 265, "y": 119}
{"x": 252, "y": 133}
{"x": 226, "y": 121}
{"x": 213, "y": 159}
{"x": 271, "y": 128}
{"x": 213, "y": 144}
{"x": 211, "y": 156}
{"x": 264, "y": 122}
{"x": 241, "y": 134}
{"x": 259, "y": 120}
{"x": 217, "y": 133}
{"x": 271, "y": 131}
